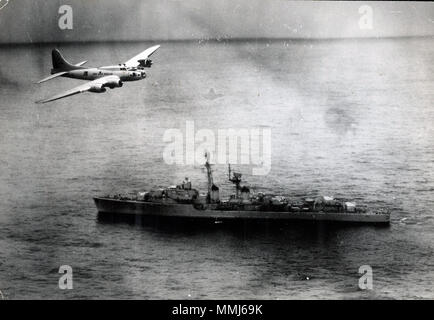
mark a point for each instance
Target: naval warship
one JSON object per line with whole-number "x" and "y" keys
{"x": 183, "y": 201}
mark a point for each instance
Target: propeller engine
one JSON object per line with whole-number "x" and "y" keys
{"x": 98, "y": 89}
{"x": 114, "y": 84}
{"x": 146, "y": 63}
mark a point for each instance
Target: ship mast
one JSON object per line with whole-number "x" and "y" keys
{"x": 209, "y": 175}
{"x": 235, "y": 179}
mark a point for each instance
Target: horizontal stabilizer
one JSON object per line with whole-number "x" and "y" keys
{"x": 52, "y": 76}
{"x": 80, "y": 63}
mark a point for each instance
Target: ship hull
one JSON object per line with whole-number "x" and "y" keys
{"x": 177, "y": 210}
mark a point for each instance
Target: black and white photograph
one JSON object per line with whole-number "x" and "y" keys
{"x": 216, "y": 150}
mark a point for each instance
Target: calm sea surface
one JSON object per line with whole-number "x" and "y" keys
{"x": 348, "y": 118}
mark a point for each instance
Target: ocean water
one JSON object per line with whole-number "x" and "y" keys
{"x": 350, "y": 118}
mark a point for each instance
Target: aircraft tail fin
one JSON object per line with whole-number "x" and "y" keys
{"x": 60, "y": 64}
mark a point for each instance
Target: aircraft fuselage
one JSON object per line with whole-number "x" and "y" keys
{"x": 96, "y": 73}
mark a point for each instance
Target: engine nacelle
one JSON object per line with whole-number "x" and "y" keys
{"x": 114, "y": 84}
{"x": 97, "y": 89}
{"x": 146, "y": 63}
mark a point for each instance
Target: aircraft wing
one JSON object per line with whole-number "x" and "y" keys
{"x": 97, "y": 84}
{"x": 135, "y": 61}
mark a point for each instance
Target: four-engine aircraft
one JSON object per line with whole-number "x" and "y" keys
{"x": 101, "y": 77}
